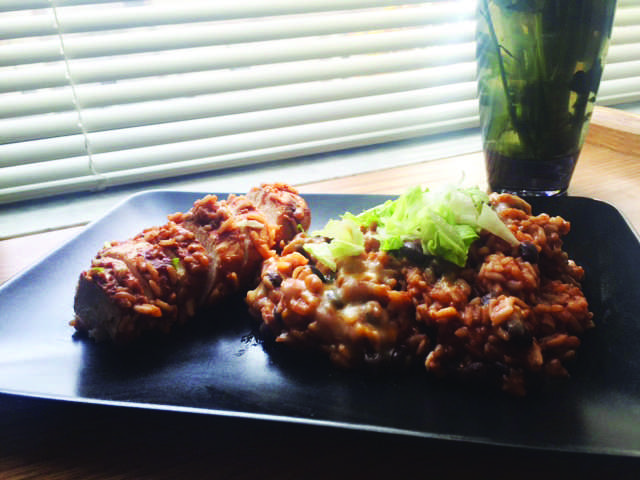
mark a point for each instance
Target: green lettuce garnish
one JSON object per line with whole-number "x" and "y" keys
{"x": 445, "y": 222}
{"x": 177, "y": 264}
{"x": 346, "y": 241}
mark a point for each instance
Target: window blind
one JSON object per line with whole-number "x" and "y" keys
{"x": 101, "y": 93}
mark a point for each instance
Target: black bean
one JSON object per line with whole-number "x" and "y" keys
{"x": 529, "y": 252}
{"x": 519, "y": 334}
{"x": 412, "y": 251}
{"x": 274, "y": 278}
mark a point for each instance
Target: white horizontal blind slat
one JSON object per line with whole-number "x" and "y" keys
{"x": 39, "y": 151}
{"x": 171, "y": 12}
{"x": 623, "y": 90}
{"x": 33, "y": 77}
{"x": 29, "y": 73}
{"x": 616, "y": 71}
{"x": 625, "y": 34}
{"x": 39, "y": 126}
{"x": 623, "y": 53}
{"x": 187, "y": 157}
{"x": 32, "y": 50}
{"x": 255, "y": 140}
{"x": 211, "y": 33}
{"x": 290, "y": 73}
{"x": 288, "y": 104}
{"x": 236, "y": 56}
{"x": 278, "y": 66}
{"x": 27, "y": 23}
{"x": 13, "y": 5}
{"x": 220, "y": 125}
{"x": 31, "y": 102}
{"x": 33, "y": 173}
{"x": 157, "y": 88}
{"x": 206, "y": 34}
{"x": 401, "y": 67}
{"x": 628, "y": 16}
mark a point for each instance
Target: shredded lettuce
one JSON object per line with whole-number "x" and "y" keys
{"x": 445, "y": 222}
{"x": 177, "y": 264}
{"x": 346, "y": 241}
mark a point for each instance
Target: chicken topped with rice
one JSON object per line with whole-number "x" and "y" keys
{"x": 163, "y": 276}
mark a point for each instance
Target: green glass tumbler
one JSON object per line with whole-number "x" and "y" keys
{"x": 539, "y": 67}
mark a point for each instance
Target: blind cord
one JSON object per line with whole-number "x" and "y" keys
{"x": 100, "y": 178}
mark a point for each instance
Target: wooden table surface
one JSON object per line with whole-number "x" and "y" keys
{"x": 61, "y": 440}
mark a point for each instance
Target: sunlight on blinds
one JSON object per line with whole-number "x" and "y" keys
{"x": 99, "y": 93}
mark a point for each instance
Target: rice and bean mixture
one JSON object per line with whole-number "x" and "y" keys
{"x": 511, "y": 317}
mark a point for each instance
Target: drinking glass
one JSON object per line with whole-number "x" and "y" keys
{"x": 539, "y": 68}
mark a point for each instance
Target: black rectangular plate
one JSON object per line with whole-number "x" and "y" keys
{"x": 214, "y": 366}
